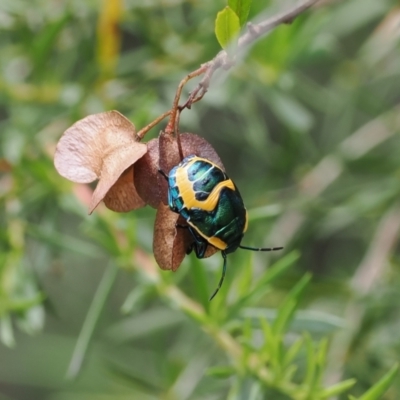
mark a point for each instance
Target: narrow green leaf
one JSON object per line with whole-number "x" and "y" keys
{"x": 134, "y": 299}
{"x": 44, "y": 42}
{"x": 255, "y": 392}
{"x": 311, "y": 362}
{"x": 289, "y": 373}
{"x": 200, "y": 278}
{"x": 241, "y": 8}
{"x": 265, "y": 212}
{"x": 247, "y": 329}
{"x": 271, "y": 350}
{"x": 285, "y": 315}
{"x": 244, "y": 388}
{"x": 312, "y": 321}
{"x": 262, "y": 285}
{"x": 277, "y": 269}
{"x": 62, "y": 241}
{"x": 221, "y": 372}
{"x": 246, "y": 340}
{"x": 22, "y": 305}
{"x": 32, "y": 320}
{"x": 287, "y": 309}
{"x": 91, "y": 319}
{"x": 336, "y": 389}
{"x": 320, "y": 359}
{"x": 227, "y": 28}
{"x": 245, "y": 277}
{"x": 269, "y": 346}
{"x": 381, "y": 386}
{"x": 143, "y": 324}
{"x": 290, "y": 111}
{"x": 300, "y": 286}
{"x": 292, "y": 351}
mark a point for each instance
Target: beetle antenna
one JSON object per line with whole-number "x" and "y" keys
{"x": 222, "y": 277}
{"x": 261, "y": 248}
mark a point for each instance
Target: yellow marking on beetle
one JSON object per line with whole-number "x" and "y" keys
{"x": 213, "y": 240}
{"x": 186, "y": 189}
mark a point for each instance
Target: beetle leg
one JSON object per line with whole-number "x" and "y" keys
{"x": 190, "y": 249}
{"x": 181, "y": 226}
{"x": 200, "y": 249}
{"x": 221, "y": 281}
{"x": 199, "y": 245}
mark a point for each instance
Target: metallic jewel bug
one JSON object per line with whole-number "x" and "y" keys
{"x": 202, "y": 193}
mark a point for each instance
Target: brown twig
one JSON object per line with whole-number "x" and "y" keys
{"x": 222, "y": 60}
{"x": 257, "y": 30}
{"x": 254, "y": 31}
{"x": 170, "y": 128}
{"x": 144, "y": 130}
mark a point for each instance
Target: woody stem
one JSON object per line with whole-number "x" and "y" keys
{"x": 144, "y": 130}
{"x": 175, "y": 106}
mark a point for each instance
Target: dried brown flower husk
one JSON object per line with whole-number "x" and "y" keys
{"x": 122, "y": 196}
{"x": 102, "y": 146}
{"x": 146, "y": 175}
{"x": 170, "y": 243}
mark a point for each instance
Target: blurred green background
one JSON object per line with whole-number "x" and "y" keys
{"x": 307, "y": 124}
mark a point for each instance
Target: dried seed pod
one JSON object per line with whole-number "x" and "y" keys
{"x": 122, "y": 196}
{"x": 146, "y": 175}
{"x": 170, "y": 243}
{"x": 194, "y": 144}
{"x": 102, "y": 146}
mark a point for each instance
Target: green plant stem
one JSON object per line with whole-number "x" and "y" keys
{"x": 91, "y": 319}
{"x": 254, "y": 364}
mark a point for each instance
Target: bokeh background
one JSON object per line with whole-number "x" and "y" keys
{"x": 307, "y": 124}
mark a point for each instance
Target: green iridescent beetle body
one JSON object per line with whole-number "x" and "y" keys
{"x": 210, "y": 203}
